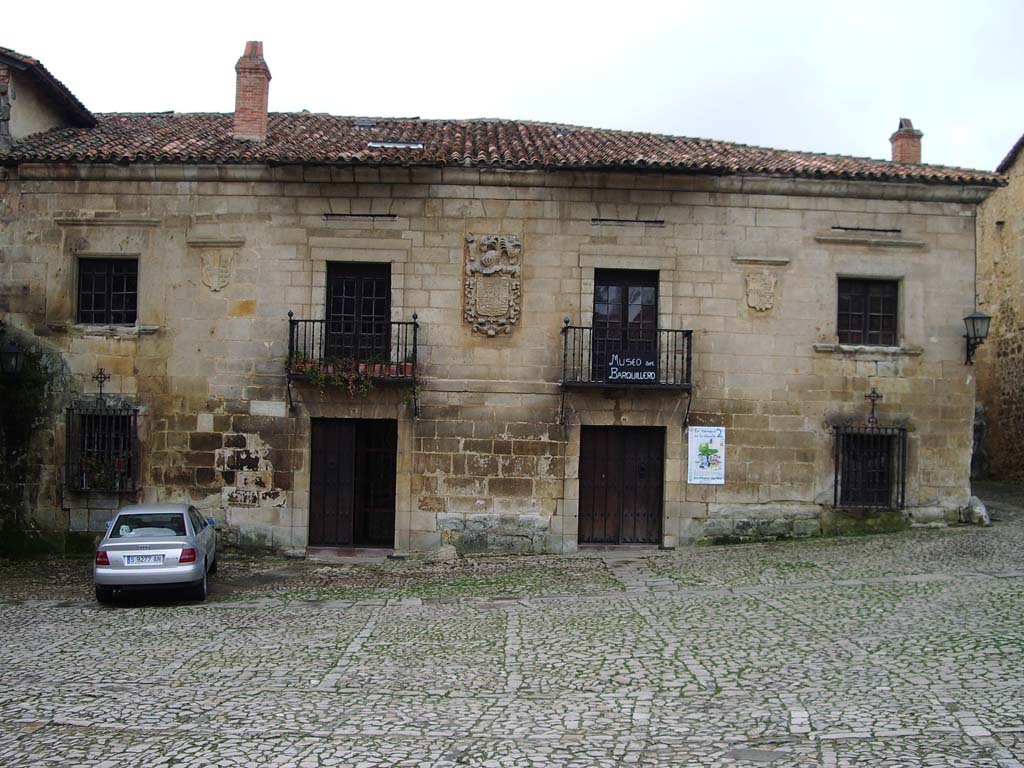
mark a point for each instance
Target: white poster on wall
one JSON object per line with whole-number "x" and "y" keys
{"x": 706, "y": 465}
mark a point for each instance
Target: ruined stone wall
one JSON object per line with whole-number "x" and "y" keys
{"x": 749, "y": 264}
{"x": 1000, "y": 362}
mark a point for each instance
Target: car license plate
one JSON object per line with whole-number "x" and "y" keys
{"x": 143, "y": 559}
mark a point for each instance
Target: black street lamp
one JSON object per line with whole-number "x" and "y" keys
{"x": 12, "y": 357}
{"x": 977, "y": 331}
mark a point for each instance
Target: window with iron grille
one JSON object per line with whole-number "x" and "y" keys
{"x": 868, "y": 312}
{"x": 870, "y": 467}
{"x": 102, "y": 448}
{"x": 108, "y": 291}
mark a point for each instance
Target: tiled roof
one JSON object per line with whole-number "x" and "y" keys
{"x": 75, "y": 109}
{"x": 309, "y": 138}
{"x": 1011, "y": 156}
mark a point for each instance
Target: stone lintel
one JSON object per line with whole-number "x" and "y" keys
{"x": 103, "y": 219}
{"x": 864, "y": 351}
{"x": 362, "y": 243}
{"x": 872, "y": 240}
{"x": 215, "y": 242}
{"x": 771, "y": 261}
{"x": 106, "y": 331}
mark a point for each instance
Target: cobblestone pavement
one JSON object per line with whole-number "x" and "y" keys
{"x": 898, "y": 650}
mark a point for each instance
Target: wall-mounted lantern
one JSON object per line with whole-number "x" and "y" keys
{"x": 977, "y": 331}
{"x": 12, "y": 357}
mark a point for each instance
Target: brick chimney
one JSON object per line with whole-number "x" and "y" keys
{"x": 906, "y": 143}
{"x": 252, "y": 87}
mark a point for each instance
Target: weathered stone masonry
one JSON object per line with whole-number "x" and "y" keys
{"x": 749, "y": 263}
{"x": 1000, "y": 362}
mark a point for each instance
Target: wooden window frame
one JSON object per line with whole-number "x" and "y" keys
{"x": 118, "y": 295}
{"x": 358, "y": 321}
{"x": 875, "y": 322}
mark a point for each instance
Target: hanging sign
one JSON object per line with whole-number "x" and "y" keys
{"x": 706, "y": 464}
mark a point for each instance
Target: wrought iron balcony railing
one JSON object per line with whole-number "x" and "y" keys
{"x": 658, "y": 359}
{"x": 369, "y": 349}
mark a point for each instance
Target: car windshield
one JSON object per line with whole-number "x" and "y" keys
{"x": 142, "y": 526}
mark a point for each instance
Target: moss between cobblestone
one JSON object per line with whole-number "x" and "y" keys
{"x": 483, "y": 576}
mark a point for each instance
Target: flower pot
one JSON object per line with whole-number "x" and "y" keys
{"x": 362, "y": 369}
{"x": 392, "y": 370}
{"x": 407, "y": 369}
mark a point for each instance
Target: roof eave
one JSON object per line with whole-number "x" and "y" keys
{"x": 69, "y": 103}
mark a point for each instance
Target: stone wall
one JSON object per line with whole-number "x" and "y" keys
{"x": 1000, "y": 361}
{"x": 750, "y": 264}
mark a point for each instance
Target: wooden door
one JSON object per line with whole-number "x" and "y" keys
{"x": 352, "y": 483}
{"x": 621, "y": 472}
{"x": 376, "y": 455}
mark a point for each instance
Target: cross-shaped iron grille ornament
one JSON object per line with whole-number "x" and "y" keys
{"x": 101, "y": 378}
{"x": 874, "y": 396}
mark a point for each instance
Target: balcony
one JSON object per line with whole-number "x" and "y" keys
{"x": 369, "y": 350}
{"x": 657, "y": 359}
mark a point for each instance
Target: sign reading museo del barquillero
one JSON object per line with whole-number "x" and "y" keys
{"x": 706, "y": 464}
{"x": 640, "y": 368}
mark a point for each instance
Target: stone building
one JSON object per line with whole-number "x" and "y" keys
{"x": 342, "y": 332}
{"x": 1001, "y": 294}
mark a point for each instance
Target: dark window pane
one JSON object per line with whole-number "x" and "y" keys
{"x": 867, "y": 311}
{"x": 358, "y": 296}
{"x": 107, "y": 291}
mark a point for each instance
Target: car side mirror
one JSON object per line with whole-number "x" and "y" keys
{"x": 211, "y": 521}
{"x": 107, "y": 524}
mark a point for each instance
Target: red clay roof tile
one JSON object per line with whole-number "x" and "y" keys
{"x": 308, "y": 138}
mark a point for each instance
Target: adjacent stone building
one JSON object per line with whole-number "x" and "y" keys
{"x": 1001, "y": 294}
{"x": 344, "y": 332}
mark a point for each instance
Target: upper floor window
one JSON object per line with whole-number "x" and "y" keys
{"x": 108, "y": 291}
{"x": 625, "y": 318}
{"x": 868, "y": 312}
{"x": 358, "y": 311}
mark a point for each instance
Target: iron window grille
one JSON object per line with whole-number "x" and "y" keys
{"x": 108, "y": 291}
{"x": 102, "y": 449}
{"x": 868, "y": 312}
{"x": 870, "y": 467}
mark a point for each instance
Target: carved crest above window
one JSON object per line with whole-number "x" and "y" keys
{"x": 217, "y": 259}
{"x": 760, "y": 290}
{"x": 493, "y": 287}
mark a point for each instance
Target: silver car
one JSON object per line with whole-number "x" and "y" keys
{"x": 153, "y": 546}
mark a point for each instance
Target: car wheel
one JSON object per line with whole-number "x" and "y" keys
{"x": 104, "y": 595}
{"x": 199, "y": 591}
{"x": 213, "y": 565}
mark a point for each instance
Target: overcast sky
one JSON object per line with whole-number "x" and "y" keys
{"x": 818, "y": 76}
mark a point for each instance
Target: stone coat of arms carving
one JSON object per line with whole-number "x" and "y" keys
{"x": 493, "y": 286}
{"x": 760, "y": 290}
{"x": 217, "y": 266}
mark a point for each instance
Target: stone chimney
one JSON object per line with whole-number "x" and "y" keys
{"x": 252, "y": 88}
{"x": 5, "y": 109}
{"x": 906, "y": 143}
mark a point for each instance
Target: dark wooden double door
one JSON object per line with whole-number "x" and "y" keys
{"x": 621, "y": 474}
{"x": 352, "y": 483}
